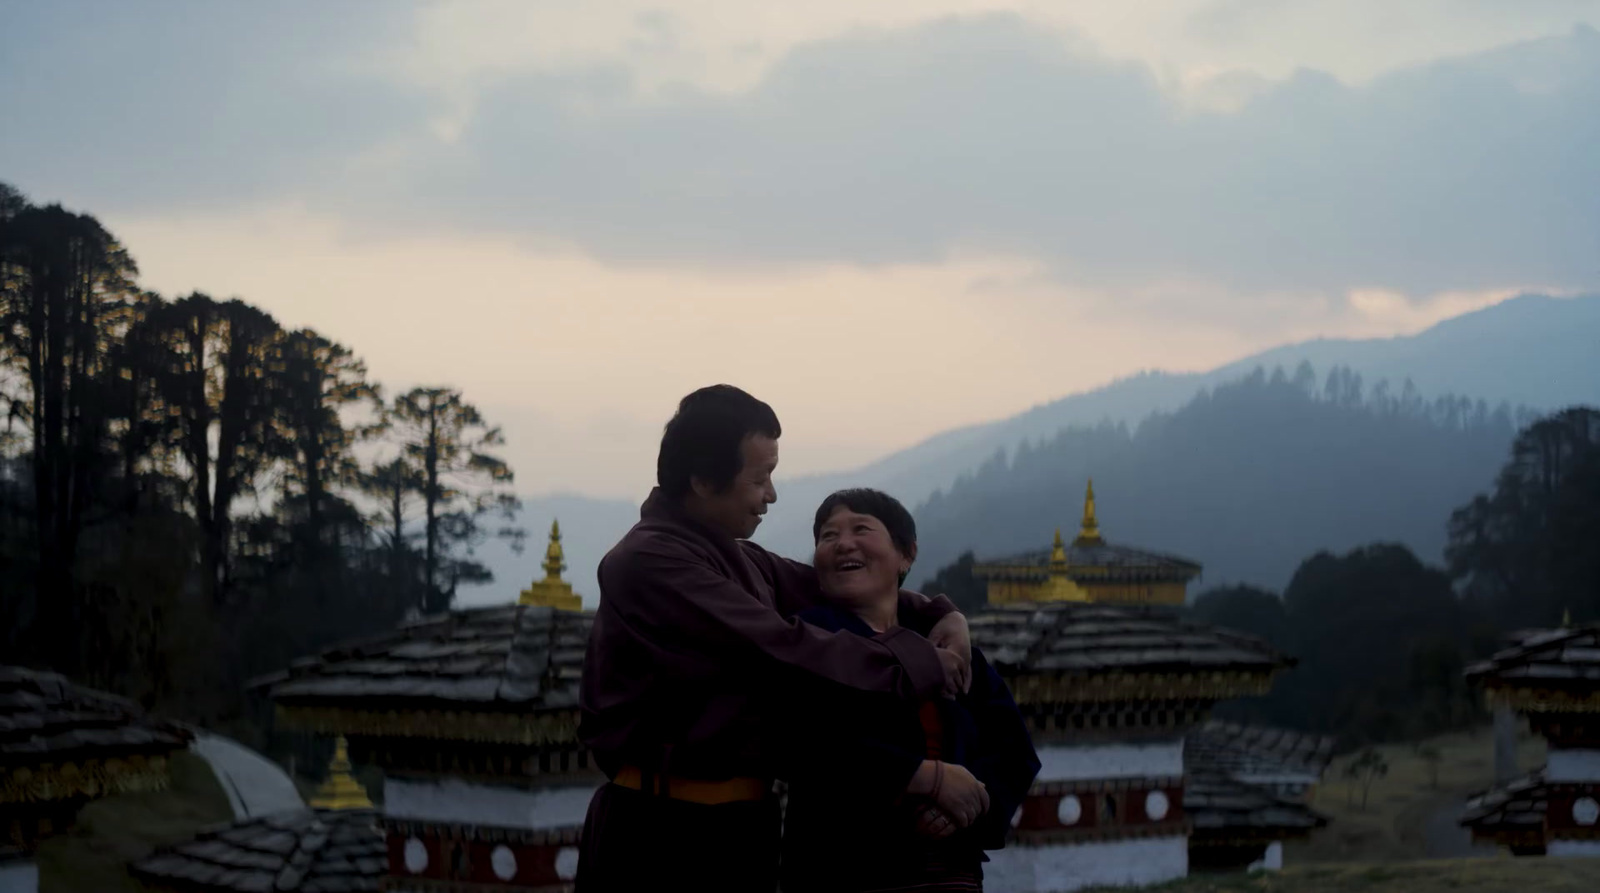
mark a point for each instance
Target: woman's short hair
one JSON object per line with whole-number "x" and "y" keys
{"x": 866, "y": 501}
{"x": 705, "y": 438}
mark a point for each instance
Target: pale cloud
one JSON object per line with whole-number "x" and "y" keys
{"x": 458, "y": 46}
{"x": 989, "y": 136}
{"x": 582, "y": 363}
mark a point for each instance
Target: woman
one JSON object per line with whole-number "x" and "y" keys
{"x": 838, "y": 838}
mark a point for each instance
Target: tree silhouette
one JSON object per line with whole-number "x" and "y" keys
{"x": 65, "y": 280}
{"x": 393, "y": 483}
{"x": 959, "y": 583}
{"x": 1247, "y": 609}
{"x": 1365, "y": 769}
{"x": 217, "y": 382}
{"x": 462, "y": 483}
{"x": 316, "y": 381}
{"x": 1524, "y": 549}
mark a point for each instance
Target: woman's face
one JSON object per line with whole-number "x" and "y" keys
{"x": 856, "y": 561}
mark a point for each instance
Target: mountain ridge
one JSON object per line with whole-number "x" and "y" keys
{"x": 1530, "y": 350}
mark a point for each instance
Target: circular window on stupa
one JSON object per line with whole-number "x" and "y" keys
{"x": 504, "y": 862}
{"x": 1585, "y": 811}
{"x": 1156, "y": 806}
{"x": 416, "y": 856}
{"x": 1069, "y": 810}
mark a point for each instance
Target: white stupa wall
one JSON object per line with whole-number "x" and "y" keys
{"x": 1057, "y": 868}
{"x": 1133, "y": 861}
{"x": 1161, "y": 759}
{"x": 456, "y": 802}
{"x": 1572, "y": 764}
{"x": 416, "y": 808}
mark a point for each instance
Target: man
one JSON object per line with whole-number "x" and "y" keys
{"x": 691, "y": 638}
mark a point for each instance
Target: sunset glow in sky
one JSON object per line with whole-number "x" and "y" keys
{"x": 887, "y": 219}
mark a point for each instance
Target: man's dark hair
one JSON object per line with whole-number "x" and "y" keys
{"x": 865, "y": 501}
{"x": 705, "y": 437}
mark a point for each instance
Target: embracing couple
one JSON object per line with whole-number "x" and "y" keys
{"x": 716, "y": 669}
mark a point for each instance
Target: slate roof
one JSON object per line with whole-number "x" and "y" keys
{"x": 1557, "y": 657}
{"x": 1219, "y": 805}
{"x": 44, "y": 718}
{"x": 518, "y": 658}
{"x": 1081, "y": 557}
{"x": 1090, "y": 638}
{"x": 1230, "y": 749}
{"x": 1516, "y": 806}
{"x": 315, "y": 851}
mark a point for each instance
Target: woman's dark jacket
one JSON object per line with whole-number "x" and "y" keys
{"x": 842, "y": 830}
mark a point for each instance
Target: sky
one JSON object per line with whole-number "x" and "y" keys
{"x": 887, "y": 219}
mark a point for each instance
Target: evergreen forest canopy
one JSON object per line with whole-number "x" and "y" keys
{"x": 1247, "y": 478}
{"x": 191, "y": 494}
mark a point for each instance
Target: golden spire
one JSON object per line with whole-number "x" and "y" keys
{"x": 1061, "y": 587}
{"x": 553, "y": 564}
{"x": 340, "y": 790}
{"x": 552, "y": 591}
{"x": 1089, "y": 532}
{"x": 1566, "y": 618}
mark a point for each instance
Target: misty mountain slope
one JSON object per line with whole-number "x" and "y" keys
{"x": 1249, "y": 480}
{"x": 1532, "y": 351}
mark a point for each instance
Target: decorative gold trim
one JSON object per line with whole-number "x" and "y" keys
{"x": 89, "y": 778}
{"x": 1542, "y": 700}
{"x": 1100, "y": 688}
{"x": 532, "y": 729}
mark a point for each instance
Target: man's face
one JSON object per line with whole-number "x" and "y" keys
{"x": 737, "y": 510}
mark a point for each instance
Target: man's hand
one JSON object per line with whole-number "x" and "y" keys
{"x": 951, "y": 634}
{"x": 957, "y": 673}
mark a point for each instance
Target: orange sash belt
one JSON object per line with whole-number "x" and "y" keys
{"x": 694, "y": 790}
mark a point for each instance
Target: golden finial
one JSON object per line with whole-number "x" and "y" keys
{"x": 1061, "y": 587}
{"x": 553, "y": 564}
{"x": 1566, "y": 618}
{"x": 552, "y": 591}
{"x": 1089, "y": 533}
{"x": 340, "y": 790}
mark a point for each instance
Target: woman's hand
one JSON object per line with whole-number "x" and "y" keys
{"x": 951, "y": 634}
{"x": 960, "y": 796}
{"x": 932, "y": 822}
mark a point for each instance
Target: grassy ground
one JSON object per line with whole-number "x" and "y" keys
{"x": 1502, "y": 875}
{"x": 1406, "y": 816}
{"x": 112, "y": 832}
